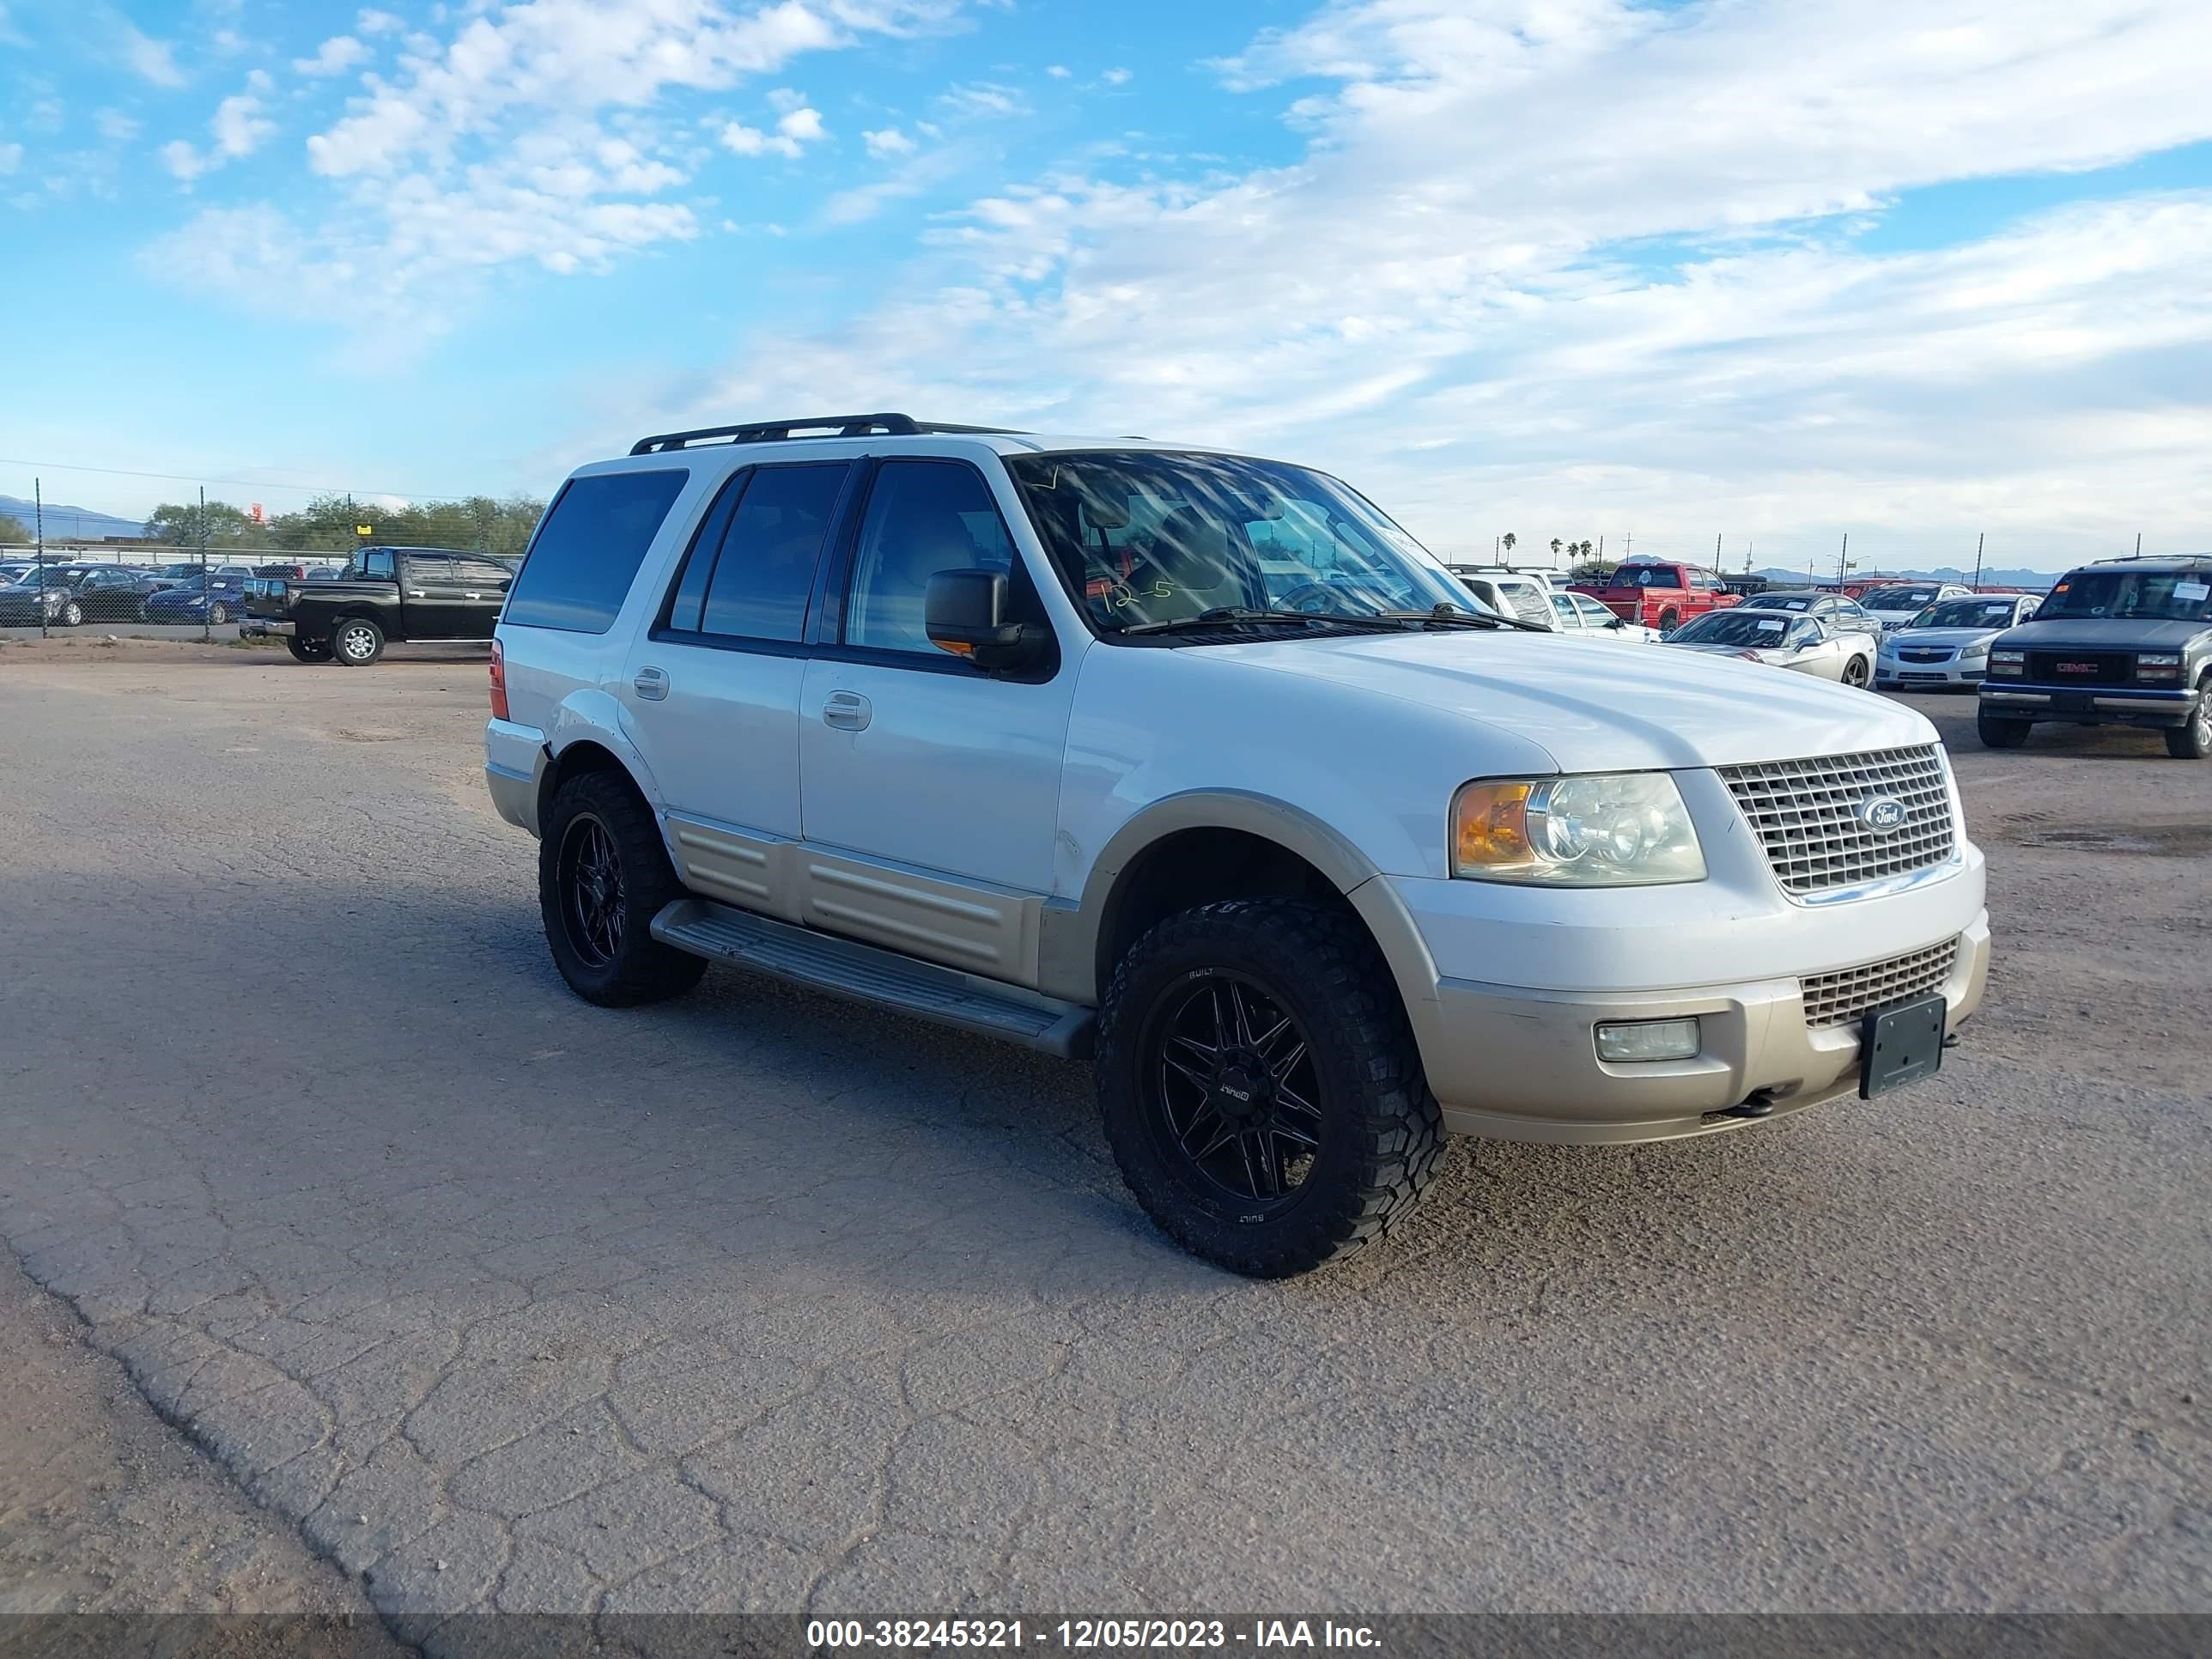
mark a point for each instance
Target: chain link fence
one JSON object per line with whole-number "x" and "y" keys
{"x": 162, "y": 590}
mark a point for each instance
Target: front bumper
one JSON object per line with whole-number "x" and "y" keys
{"x": 1954, "y": 675}
{"x": 253, "y": 627}
{"x": 1521, "y": 1065}
{"x": 2132, "y": 705}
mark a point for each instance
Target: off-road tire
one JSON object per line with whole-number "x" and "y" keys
{"x": 1668, "y": 620}
{"x": 1998, "y": 732}
{"x": 2194, "y": 740}
{"x": 642, "y": 968}
{"x": 307, "y": 650}
{"x": 1381, "y": 1132}
{"x": 355, "y": 642}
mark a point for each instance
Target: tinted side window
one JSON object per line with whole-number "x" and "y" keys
{"x": 588, "y": 549}
{"x": 481, "y": 573}
{"x": 428, "y": 567}
{"x": 375, "y": 567}
{"x": 923, "y": 516}
{"x": 766, "y": 569}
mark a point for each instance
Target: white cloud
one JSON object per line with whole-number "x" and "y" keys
{"x": 1059, "y": 71}
{"x": 151, "y": 59}
{"x": 182, "y": 160}
{"x": 115, "y": 126}
{"x": 573, "y": 56}
{"x": 887, "y": 141}
{"x": 982, "y": 99}
{"x": 239, "y": 126}
{"x": 378, "y": 22}
{"x": 1606, "y": 252}
{"x": 334, "y": 57}
{"x": 11, "y": 157}
{"x": 797, "y": 129}
{"x": 1116, "y": 78}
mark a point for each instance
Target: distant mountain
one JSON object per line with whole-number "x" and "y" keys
{"x": 67, "y": 523}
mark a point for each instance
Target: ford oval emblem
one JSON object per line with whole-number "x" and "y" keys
{"x": 1883, "y": 814}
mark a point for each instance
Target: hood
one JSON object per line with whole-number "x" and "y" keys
{"x": 1595, "y": 707}
{"x": 1938, "y": 639}
{"x": 2104, "y": 633}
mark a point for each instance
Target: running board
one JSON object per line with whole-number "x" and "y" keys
{"x": 864, "y": 973}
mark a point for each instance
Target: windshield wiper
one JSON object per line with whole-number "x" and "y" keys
{"x": 1230, "y": 615}
{"x": 1451, "y": 615}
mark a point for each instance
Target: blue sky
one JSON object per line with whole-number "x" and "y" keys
{"x": 1566, "y": 267}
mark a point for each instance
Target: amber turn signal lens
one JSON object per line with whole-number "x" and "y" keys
{"x": 1492, "y": 827}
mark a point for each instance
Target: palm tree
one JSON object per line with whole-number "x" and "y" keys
{"x": 1556, "y": 545}
{"x": 1510, "y": 538}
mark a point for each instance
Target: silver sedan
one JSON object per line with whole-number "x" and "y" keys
{"x": 1782, "y": 638}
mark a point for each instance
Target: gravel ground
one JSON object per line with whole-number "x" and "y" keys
{"x": 752, "y": 1301}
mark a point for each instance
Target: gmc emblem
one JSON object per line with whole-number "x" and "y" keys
{"x": 2075, "y": 667}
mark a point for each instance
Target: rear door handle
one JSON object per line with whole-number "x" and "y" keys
{"x": 467, "y": 595}
{"x": 416, "y": 594}
{"x": 848, "y": 711}
{"x": 651, "y": 683}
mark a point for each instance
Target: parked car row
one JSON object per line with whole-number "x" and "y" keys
{"x": 186, "y": 593}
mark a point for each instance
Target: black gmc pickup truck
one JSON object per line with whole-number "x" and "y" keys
{"x": 385, "y": 593}
{"x": 2121, "y": 642}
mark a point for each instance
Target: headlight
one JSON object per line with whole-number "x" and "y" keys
{"x": 1622, "y": 830}
{"x": 2158, "y": 665}
{"x": 1978, "y": 649}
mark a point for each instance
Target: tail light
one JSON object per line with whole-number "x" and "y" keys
{"x": 498, "y": 682}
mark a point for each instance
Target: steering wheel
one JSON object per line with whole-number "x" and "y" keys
{"x": 1313, "y": 599}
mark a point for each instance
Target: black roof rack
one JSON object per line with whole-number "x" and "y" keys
{"x": 834, "y": 426}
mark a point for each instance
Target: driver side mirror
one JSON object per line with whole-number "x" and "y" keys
{"x": 964, "y": 612}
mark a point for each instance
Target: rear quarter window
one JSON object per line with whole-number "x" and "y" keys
{"x": 587, "y": 551}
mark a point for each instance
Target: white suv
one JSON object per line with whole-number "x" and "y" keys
{"x": 1197, "y": 764}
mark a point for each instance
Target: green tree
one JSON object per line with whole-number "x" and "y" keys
{"x": 1509, "y": 538}
{"x": 176, "y": 524}
{"x": 1556, "y": 545}
{"x": 12, "y": 530}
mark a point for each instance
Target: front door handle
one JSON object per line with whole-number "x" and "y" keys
{"x": 848, "y": 711}
{"x": 467, "y": 595}
{"x": 416, "y": 594}
{"x": 651, "y": 683}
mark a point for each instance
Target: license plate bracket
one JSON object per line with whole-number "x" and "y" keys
{"x": 1901, "y": 1045}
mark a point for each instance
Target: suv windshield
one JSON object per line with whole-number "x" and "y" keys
{"x": 2146, "y": 595}
{"x": 1965, "y": 613}
{"x": 1733, "y": 627}
{"x": 1147, "y": 538}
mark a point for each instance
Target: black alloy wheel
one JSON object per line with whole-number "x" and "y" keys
{"x": 1856, "y": 671}
{"x": 591, "y": 892}
{"x": 1234, "y": 1094}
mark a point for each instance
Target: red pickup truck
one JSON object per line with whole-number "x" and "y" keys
{"x": 1658, "y": 594}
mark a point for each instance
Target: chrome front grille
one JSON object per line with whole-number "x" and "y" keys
{"x": 1809, "y": 816}
{"x": 1850, "y": 994}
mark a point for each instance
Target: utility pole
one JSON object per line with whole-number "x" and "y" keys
{"x": 206, "y": 632}
{"x": 2139, "y": 544}
{"x": 1979, "y": 540}
{"x": 1843, "y": 558}
{"x": 1628, "y": 552}
{"x": 1717, "y": 550}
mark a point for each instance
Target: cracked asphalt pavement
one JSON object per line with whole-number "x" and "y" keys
{"x": 758, "y": 1302}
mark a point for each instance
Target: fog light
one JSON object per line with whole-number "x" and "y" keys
{"x": 1629, "y": 1041}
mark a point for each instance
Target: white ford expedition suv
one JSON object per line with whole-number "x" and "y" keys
{"x": 1199, "y": 766}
